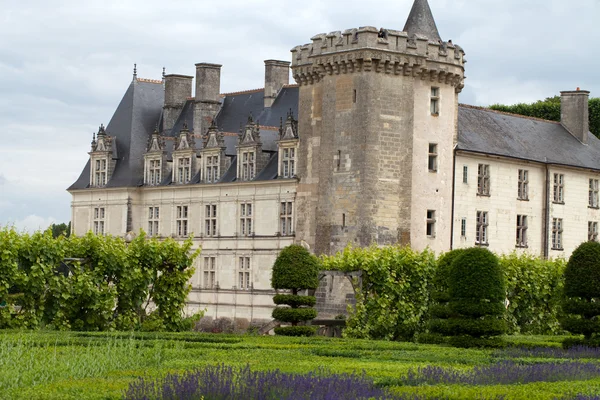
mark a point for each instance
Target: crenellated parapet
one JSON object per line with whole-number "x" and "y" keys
{"x": 371, "y": 50}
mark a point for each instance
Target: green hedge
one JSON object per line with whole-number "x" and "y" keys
{"x": 294, "y": 315}
{"x": 294, "y": 300}
{"x": 296, "y": 330}
{"x": 295, "y": 269}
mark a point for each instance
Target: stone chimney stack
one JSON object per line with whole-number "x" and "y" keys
{"x": 177, "y": 90}
{"x": 207, "y": 101}
{"x": 574, "y": 113}
{"x": 277, "y": 74}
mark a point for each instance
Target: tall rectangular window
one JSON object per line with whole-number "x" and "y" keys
{"x": 246, "y": 219}
{"x": 248, "y": 165}
{"x": 483, "y": 180}
{"x": 521, "y": 231}
{"x": 184, "y": 170}
{"x": 431, "y": 223}
{"x": 465, "y": 174}
{"x": 463, "y": 227}
{"x": 481, "y": 234}
{"x": 559, "y": 188}
{"x": 99, "y": 216}
{"x": 557, "y": 234}
{"x": 153, "y": 218}
{"x": 435, "y": 101}
{"x": 154, "y": 172}
{"x": 212, "y": 169}
{"x": 244, "y": 273}
{"x": 100, "y": 174}
{"x": 181, "y": 219}
{"x": 210, "y": 220}
{"x": 209, "y": 272}
{"x": 285, "y": 218}
{"x": 523, "y": 189}
{"x": 592, "y": 231}
{"x": 593, "y": 193}
{"x": 288, "y": 163}
{"x": 432, "y": 161}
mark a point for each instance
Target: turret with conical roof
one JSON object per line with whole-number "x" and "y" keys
{"x": 420, "y": 22}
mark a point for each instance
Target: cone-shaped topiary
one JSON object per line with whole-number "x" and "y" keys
{"x": 475, "y": 306}
{"x": 295, "y": 269}
{"x": 581, "y": 302}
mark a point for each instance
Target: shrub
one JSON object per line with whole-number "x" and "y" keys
{"x": 582, "y": 291}
{"x": 295, "y": 330}
{"x": 295, "y": 269}
{"x": 441, "y": 279}
{"x": 476, "y": 297}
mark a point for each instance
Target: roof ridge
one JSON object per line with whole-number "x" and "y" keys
{"x": 243, "y": 92}
{"x": 149, "y": 80}
{"x": 291, "y": 85}
{"x": 507, "y": 113}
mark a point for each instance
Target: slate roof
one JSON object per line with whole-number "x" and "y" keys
{"x": 495, "y": 133}
{"x": 421, "y": 22}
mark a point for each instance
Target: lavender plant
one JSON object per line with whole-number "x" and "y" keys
{"x": 576, "y": 352}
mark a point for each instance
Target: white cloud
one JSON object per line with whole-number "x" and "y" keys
{"x": 32, "y": 223}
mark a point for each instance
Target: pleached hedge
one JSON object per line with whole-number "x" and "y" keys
{"x": 93, "y": 283}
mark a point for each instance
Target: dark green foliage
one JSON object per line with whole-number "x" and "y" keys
{"x": 549, "y": 109}
{"x": 469, "y": 342}
{"x": 61, "y": 229}
{"x": 578, "y": 342}
{"x": 441, "y": 279}
{"x": 476, "y": 309}
{"x": 294, "y": 300}
{"x": 582, "y": 291}
{"x": 296, "y": 330}
{"x": 487, "y": 326}
{"x": 294, "y": 315}
{"x": 431, "y": 338}
{"x": 476, "y": 275}
{"x": 295, "y": 269}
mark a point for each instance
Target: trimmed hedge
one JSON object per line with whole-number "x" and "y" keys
{"x": 441, "y": 279}
{"x": 294, "y": 315}
{"x": 294, "y": 300}
{"x": 476, "y": 275}
{"x": 295, "y": 269}
{"x": 296, "y": 330}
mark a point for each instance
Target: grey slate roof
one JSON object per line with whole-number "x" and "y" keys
{"x": 132, "y": 123}
{"x": 421, "y": 22}
{"x": 490, "y": 132}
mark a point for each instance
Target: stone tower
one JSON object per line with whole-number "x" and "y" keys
{"x": 378, "y": 124}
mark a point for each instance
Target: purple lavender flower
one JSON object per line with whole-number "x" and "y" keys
{"x": 576, "y": 352}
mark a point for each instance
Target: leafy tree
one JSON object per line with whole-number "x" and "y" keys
{"x": 550, "y": 109}
{"x": 582, "y": 292}
{"x": 60, "y": 229}
{"x": 295, "y": 269}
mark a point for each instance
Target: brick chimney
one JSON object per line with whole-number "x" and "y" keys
{"x": 574, "y": 113}
{"x": 177, "y": 89}
{"x": 208, "y": 100}
{"x": 277, "y": 74}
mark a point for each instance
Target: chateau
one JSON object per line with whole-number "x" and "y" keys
{"x": 370, "y": 146}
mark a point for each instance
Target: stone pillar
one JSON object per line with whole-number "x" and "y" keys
{"x": 277, "y": 74}
{"x": 207, "y": 100}
{"x": 574, "y": 113}
{"x": 178, "y": 88}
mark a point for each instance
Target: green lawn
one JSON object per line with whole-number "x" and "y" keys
{"x": 59, "y": 365}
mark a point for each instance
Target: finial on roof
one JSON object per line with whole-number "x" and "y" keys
{"x": 134, "y": 71}
{"x": 250, "y": 118}
{"x": 213, "y": 124}
{"x": 163, "y": 73}
{"x": 101, "y": 130}
{"x": 93, "y": 138}
{"x": 185, "y": 126}
{"x": 421, "y": 22}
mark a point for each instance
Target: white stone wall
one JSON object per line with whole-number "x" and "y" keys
{"x": 503, "y": 206}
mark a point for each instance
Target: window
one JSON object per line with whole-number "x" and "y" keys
{"x": 521, "y": 231}
{"x": 592, "y": 231}
{"x": 483, "y": 180}
{"x": 557, "y": 231}
{"x": 435, "y": 101}
{"x": 465, "y": 174}
{"x": 354, "y": 96}
{"x": 481, "y": 234}
{"x": 248, "y": 165}
{"x": 244, "y": 273}
{"x": 288, "y": 163}
{"x": 154, "y": 172}
{"x": 593, "y": 195}
{"x": 559, "y": 188}
{"x": 209, "y": 272}
{"x": 182, "y": 220}
{"x": 210, "y": 220}
{"x": 183, "y": 170}
{"x": 523, "y": 189}
{"x": 432, "y": 161}
{"x": 153, "y": 217}
{"x": 100, "y": 174}
{"x": 463, "y": 227}
{"x": 212, "y": 169}
{"x": 285, "y": 219}
{"x": 99, "y": 221}
{"x": 431, "y": 223}
{"x": 246, "y": 219}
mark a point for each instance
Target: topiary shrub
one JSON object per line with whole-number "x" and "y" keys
{"x": 581, "y": 302}
{"x": 295, "y": 269}
{"x": 475, "y": 308}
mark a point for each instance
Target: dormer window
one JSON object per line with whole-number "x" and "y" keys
{"x": 248, "y": 165}
{"x": 288, "y": 162}
{"x": 212, "y": 169}
{"x": 101, "y": 158}
{"x": 184, "y": 166}
{"x": 154, "y": 172}
{"x": 100, "y": 173}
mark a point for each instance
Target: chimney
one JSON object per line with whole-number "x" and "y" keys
{"x": 177, "y": 90}
{"x": 277, "y": 74}
{"x": 208, "y": 96}
{"x": 574, "y": 113}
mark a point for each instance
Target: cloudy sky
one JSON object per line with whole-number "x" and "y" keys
{"x": 65, "y": 64}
